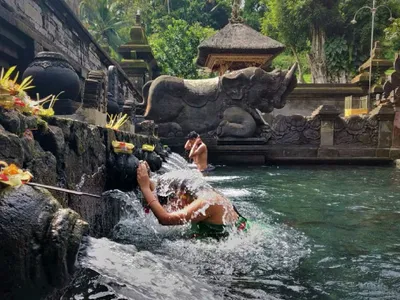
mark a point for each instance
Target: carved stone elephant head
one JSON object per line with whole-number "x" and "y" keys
{"x": 258, "y": 88}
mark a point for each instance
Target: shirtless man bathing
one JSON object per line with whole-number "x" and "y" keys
{"x": 209, "y": 212}
{"x": 198, "y": 152}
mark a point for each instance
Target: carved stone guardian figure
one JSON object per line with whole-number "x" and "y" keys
{"x": 226, "y": 106}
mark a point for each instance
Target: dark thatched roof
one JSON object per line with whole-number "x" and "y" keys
{"x": 238, "y": 38}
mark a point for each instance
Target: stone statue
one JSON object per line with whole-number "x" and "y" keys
{"x": 391, "y": 88}
{"x": 226, "y": 106}
{"x": 39, "y": 242}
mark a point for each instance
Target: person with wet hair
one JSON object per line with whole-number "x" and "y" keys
{"x": 191, "y": 137}
{"x": 210, "y": 213}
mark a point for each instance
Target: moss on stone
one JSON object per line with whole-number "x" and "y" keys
{"x": 42, "y": 125}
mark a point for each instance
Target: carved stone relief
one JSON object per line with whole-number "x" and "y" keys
{"x": 361, "y": 130}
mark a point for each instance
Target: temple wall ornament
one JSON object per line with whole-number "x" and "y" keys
{"x": 225, "y": 106}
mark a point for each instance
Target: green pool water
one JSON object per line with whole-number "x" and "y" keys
{"x": 349, "y": 216}
{"x": 317, "y": 232}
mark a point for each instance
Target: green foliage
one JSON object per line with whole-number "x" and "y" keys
{"x": 213, "y": 13}
{"x": 253, "y": 11}
{"x": 288, "y": 21}
{"x": 286, "y": 60}
{"x": 175, "y": 47}
{"x": 283, "y": 22}
{"x": 337, "y": 54}
{"x": 103, "y": 19}
{"x": 347, "y": 45}
{"x": 392, "y": 35}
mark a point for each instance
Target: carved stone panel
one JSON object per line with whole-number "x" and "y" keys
{"x": 94, "y": 95}
{"x": 359, "y": 130}
{"x": 295, "y": 130}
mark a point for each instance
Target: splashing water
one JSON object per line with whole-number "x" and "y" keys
{"x": 148, "y": 261}
{"x": 178, "y": 160}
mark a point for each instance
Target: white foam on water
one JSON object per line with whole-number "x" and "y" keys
{"x": 235, "y": 193}
{"x": 223, "y": 178}
{"x": 182, "y": 268}
{"x": 142, "y": 274}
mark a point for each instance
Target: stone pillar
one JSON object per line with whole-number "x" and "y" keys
{"x": 328, "y": 114}
{"x": 385, "y": 115}
{"x": 395, "y": 151}
{"x": 396, "y": 129}
{"x": 395, "y": 99}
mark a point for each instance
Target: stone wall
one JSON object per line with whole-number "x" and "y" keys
{"x": 68, "y": 154}
{"x": 307, "y": 97}
{"x": 322, "y": 137}
{"x": 30, "y": 26}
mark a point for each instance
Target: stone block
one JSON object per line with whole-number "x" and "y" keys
{"x": 241, "y": 141}
{"x": 383, "y": 113}
{"x": 356, "y": 152}
{"x": 327, "y": 132}
{"x": 395, "y": 154}
{"x": 33, "y": 13}
{"x": 327, "y": 152}
{"x": 385, "y": 134}
{"x": 93, "y": 116}
{"x": 241, "y": 159}
{"x": 383, "y": 152}
{"x": 290, "y": 152}
{"x": 327, "y": 112}
{"x": 396, "y": 130}
{"x": 128, "y": 127}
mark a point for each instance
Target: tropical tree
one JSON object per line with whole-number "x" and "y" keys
{"x": 289, "y": 31}
{"x": 103, "y": 19}
{"x": 175, "y": 47}
{"x": 335, "y": 47}
{"x": 393, "y": 34}
{"x": 253, "y": 12}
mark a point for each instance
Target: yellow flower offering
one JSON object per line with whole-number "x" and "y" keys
{"x": 122, "y": 147}
{"x": 13, "y": 95}
{"x": 116, "y": 121}
{"x": 11, "y": 175}
{"x": 148, "y": 148}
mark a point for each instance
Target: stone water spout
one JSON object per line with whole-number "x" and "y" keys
{"x": 39, "y": 243}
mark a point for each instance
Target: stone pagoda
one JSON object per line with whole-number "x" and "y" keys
{"x": 379, "y": 66}
{"x": 138, "y": 61}
{"x": 237, "y": 46}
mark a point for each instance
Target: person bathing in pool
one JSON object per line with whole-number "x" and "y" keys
{"x": 210, "y": 213}
{"x": 198, "y": 152}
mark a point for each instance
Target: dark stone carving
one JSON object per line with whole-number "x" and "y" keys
{"x": 39, "y": 243}
{"x": 129, "y": 108}
{"x": 293, "y": 130}
{"x": 122, "y": 171}
{"x": 228, "y": 106}
{"x": 94, "y": 95}
{"x": 112, "y": 83}
{"x": 358, "y": 130}
{"x": 152, "y": 158}
{"x": 113, "y": 106}
{"x": 146, "y": 127}
{"x": 53, "y": 74}
{"x": 391, "y": 88}
{"x": 140, "y": 110}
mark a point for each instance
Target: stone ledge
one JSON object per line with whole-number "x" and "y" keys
{"x": 241, "y": 141}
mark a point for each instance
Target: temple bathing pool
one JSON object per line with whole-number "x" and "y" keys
{"x": 319, "y": 232}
